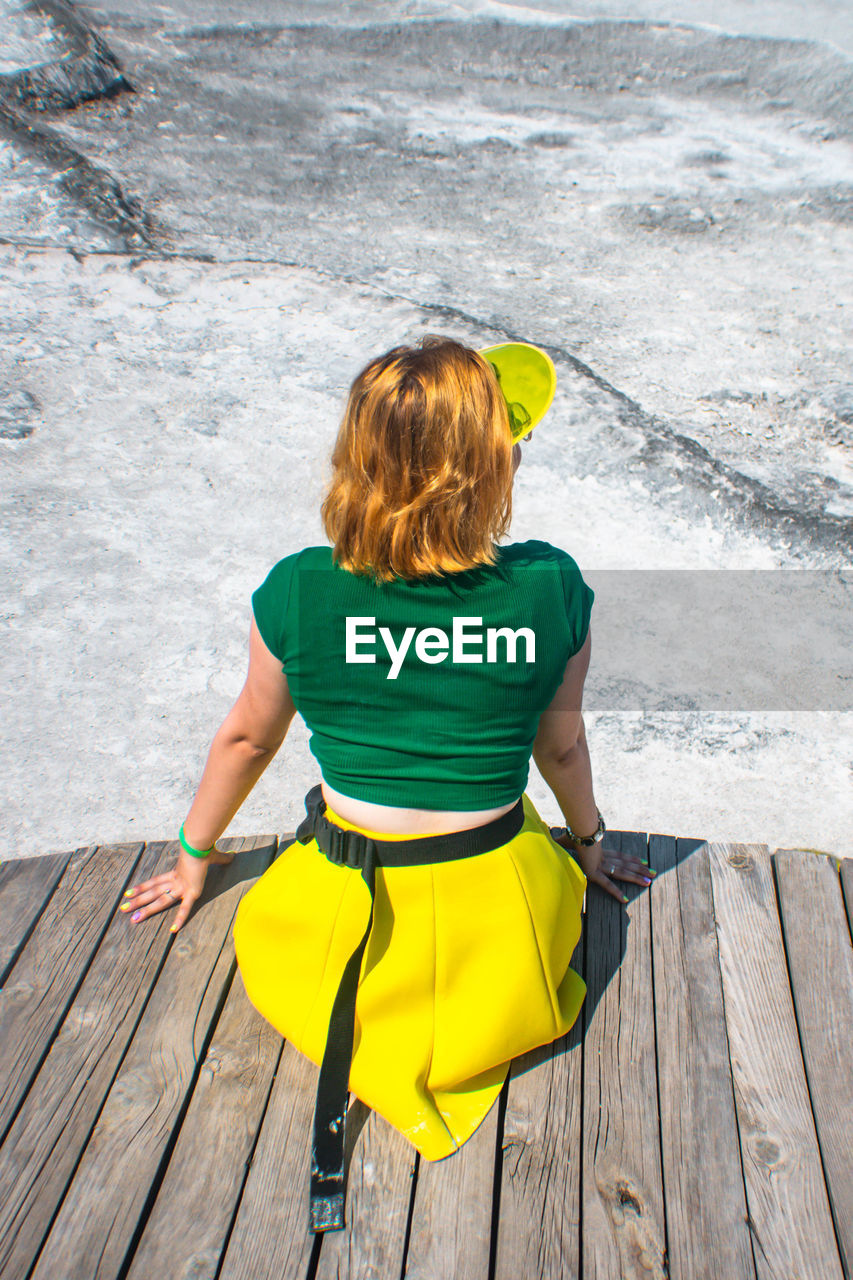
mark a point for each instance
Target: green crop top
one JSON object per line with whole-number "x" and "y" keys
{"x": 425, "y": 694}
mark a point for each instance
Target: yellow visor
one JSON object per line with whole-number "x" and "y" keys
{"x": 527, "y": 378}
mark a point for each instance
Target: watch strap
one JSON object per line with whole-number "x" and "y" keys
{"x": 587, "y": 842}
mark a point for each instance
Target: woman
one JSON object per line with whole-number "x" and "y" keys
{"x": 416, "y": 936}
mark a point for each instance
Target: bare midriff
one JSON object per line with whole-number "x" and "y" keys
{"x": 386, "y": 818}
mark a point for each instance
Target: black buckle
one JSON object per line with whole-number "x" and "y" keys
{"x": 344, "y": 848}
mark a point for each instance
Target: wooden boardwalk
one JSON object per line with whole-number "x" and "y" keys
{"x": 696, "y": 1122}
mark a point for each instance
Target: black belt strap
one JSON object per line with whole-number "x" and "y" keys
{"x": 360, "y": 852}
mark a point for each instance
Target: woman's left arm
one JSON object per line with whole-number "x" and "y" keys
{"x": 243, "y": 746}
{"x": 245, "y": 743}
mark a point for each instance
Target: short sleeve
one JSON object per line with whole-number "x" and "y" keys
{"x": 579, "y": 597}
{"x": 270, "y": 604}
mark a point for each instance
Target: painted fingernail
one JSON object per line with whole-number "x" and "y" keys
{"x": 125, "y": 906}
{"x": 624, "y": 899}
{"x": 646, "y": 880}
{"x": 173, "y": 928}
{"x": 136, "y": 917}
{"x": 128, "y": 893}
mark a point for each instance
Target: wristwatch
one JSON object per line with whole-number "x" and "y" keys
{"x": 588, "y": 841}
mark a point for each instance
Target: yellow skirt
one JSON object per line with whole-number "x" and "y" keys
{"x": 466, "y": 967}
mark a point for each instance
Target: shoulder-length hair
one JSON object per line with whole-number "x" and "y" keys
{"x": 422, "y": 466}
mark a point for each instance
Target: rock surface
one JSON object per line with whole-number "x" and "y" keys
{"x": 193, "y": 269}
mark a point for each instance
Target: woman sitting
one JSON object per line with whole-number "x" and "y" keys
{"x": 416, "y": 937}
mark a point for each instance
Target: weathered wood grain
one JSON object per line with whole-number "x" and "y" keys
{"x": 108, "y": 1196}
{"x": 820, "y": 963}
{"x": 789, "y": 1214}
{"x": 162, "y": 1188}
{"x": 622, "y": 1198}
{"x": 186, "y": 1231}
{"x": 272, "y": 1239}
{"x": 707, "y": 1233}
{"x": 452, "y": 1212}
{"x": 53, "y": 963}
{"x": 379, "y": 1190}
{"x": 53, "y": 1124}
{"x": 25, "y": 888}
{"x": 539, "y": 1210}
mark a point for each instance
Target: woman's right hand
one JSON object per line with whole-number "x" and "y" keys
{"x": 181, "y": 887}
{"x": 599, "y": 864}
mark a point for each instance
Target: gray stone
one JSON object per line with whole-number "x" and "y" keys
{"x": 191, "y": 274}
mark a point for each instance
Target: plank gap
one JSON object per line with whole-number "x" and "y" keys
{"x": 8, "y": 871}
{"x": 314, "y": 1260}
{"x": 413, "y": 1191}
{"x": 664, "y": 1197}
{"x": 498, "y": 1174}
{"x": 845, "y": 882}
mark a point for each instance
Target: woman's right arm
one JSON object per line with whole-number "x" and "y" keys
{"x": 560, "y": 749}
{"x": 562, "y": 757}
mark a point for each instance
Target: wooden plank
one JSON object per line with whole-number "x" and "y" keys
{"x": 622, "y": 1195}
{"x": 272, "y": 1239}
{"x": 379, "y": 1190}
{"x": 25, "y": 888}
{"x": 707, "y": 1233}
{"x": 53, "y": 963}
{"x": 204, "y": 1180}
{"x": 452, "y": 1215}
{"x": 110, "y": 1192}
{"x": 789, "y": 1214}
{"x": 55, "y": 1120}
{"x": 539, "y": 1209}
{"x": 820, "y": 962}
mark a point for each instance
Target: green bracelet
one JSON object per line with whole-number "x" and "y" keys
{"x": 196, "y": 853}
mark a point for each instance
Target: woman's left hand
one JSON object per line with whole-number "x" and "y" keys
{"x": 602, "y": 865}
{"x": 181, "y": 887}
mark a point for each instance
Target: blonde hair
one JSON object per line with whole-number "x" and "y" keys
{"x": 422, "y": 466}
